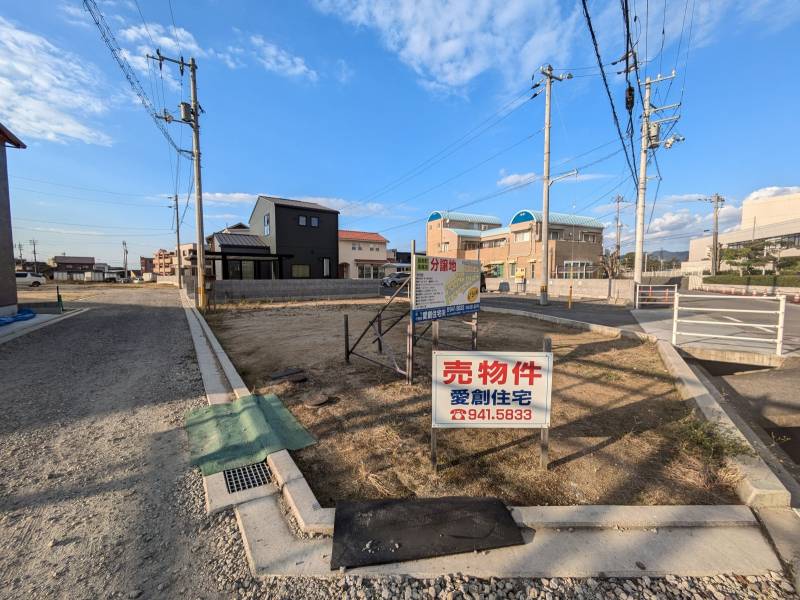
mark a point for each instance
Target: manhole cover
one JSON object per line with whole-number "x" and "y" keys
{"x": 249, "y": 476}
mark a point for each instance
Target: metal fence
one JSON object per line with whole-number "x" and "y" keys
{"x": 777, "y": 326}
{"x": 655, "y": 295}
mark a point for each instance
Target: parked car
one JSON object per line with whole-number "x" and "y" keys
{"x": 27, "y": 279}
{"x": 394, "y": 279}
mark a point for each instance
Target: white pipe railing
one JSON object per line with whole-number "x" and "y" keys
{"x": 647, "y": 294}
{"x": 778, "y": 327}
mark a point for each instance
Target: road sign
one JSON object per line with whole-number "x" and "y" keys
{"x": 491, "y": 389}
{"x": 444, "y": 287}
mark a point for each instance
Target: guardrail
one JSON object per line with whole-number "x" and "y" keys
{"x": 778, "y": 327}
{"x": 650, "y": 295}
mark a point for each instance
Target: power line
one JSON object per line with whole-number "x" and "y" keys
{"x": 127, "y": 70}
{"x": 608, "y": 90}
{"x": 77, "y": 187}
{"x": 451, "y": 148}
{"x": 110, "y": 202}
{"x": 457, "y": 175}
{"x": 126, "y": 227}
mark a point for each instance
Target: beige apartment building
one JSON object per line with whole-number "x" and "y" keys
{"x": 164, "y": 262}
{"x": 362, "y": 255}
{"x": 514, "y": 251}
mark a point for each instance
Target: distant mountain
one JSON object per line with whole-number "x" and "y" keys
{"x": 669, "y": 254}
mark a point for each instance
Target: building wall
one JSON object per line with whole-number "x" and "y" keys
{"x": 8, "y": 284}
{"x": 766, "y": 211}
{"x": 263, "y": 207}
{"x": 164, "y": 263}
{"x": 347, "y": 255}
{"x": 307, "y": 245}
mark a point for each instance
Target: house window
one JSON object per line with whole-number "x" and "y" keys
{"x": 301, "y": 271}
{"x": 495, "y": 270}
{"x": 326, "y": 264}
{"x": 589, "y": 237}
{"x": 266, "y": 224}
{"x": 353, "y": 246}
{"x": 522, "y": 236}
{"x": 445, "y": 246}
{"x": 248, "y": 269}
{"x": 301, "y": 220}
{"x": 315, "y": 221}
{"x": 554, "y": 234}
{"x": 234, "y": 269}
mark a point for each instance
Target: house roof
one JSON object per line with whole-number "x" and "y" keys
{"x": 238, "y": 239}
{"x": 361, "y": 236}
{"x": 474, "y": 233}
{"x": 298, "y": 204}
{"x": 557, "y": 219}
{"x": 89, "y": 260}
{"x": 7, "y": 136}
{"x": 461, "y": 216}
{"x": 237, "y": 226}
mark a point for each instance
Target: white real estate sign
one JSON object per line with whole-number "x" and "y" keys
{"x": 444, "y": 287}
{"x": 491, "y": 389}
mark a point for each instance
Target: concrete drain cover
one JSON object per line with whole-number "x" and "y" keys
{"x": 249, "y": 476}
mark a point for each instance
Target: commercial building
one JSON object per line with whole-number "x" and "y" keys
{"x": 146, "y": 264}
{"x": 771, "y": 219}
{"x": 8, "y": 283}
{"x": 513, "y": 252}
{"x": 304, "y": 234}
{"x": 362, "y": 254}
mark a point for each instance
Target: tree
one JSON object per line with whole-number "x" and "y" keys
{"x": 756, "y": 255}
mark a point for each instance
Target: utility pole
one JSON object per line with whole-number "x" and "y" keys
{"x": 718, "y": 201}
{"x": 618, "y": 246}
{"x": 190, "y": 114}
{"x": 178, "y": 241}
{"x": 124, "y": 259}
{"x": 650, "y": 140}
{"x": 21, "y": 260}
{"x": 544, "y": 272}
{"x": 35, "y": 266}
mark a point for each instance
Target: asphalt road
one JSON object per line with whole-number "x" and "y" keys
{"x": 707, "y": 307}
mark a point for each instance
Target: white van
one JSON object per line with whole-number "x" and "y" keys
{"x": 27, "y": 279}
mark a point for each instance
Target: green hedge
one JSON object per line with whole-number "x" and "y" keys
{"x": 779, "y": 280}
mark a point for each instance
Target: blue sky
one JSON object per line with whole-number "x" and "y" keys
{"x": 340, "y": 100}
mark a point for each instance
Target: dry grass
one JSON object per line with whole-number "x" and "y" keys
{"x": 620, "y": 433}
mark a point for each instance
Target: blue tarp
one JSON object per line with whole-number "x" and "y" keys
{"x": 24, "y": 315}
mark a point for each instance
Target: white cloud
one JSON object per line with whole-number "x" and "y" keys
{"x": 450, "y": 43}
{"x": 681, "y": 221}
{"x": 229, "y": 197}
{"x": 510, "y": 179}
{"x": 172, "y": 40}
{"x": 279, "y": 61}
{"x": 769, "y": 192}
{"x": 350, "y": 208}
{"x": 46, "y": 92}
{"x": 342, "y": 71}
{"x": 232, "y": 56}
{"x": 75, "y": 15}
{"x": 347, "y": 208}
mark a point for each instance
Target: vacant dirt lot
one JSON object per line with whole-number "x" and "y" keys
{"x": 620, "y": 433}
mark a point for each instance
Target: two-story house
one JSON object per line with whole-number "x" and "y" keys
{"x": 304, "y": 234}
{"x": 362, "y": 254}
{"x": 575, "y": 245}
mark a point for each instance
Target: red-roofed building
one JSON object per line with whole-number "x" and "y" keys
{"x": 362, "y": 254}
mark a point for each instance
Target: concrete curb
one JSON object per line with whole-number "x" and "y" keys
{"x": 604, "y": 329}
{"x": 759, "y": 487}
{"x": 58, "y": 319}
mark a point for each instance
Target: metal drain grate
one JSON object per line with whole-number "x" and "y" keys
{"x": 249, "y": 476}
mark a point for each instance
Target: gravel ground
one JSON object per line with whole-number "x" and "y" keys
{"x": 97, "y": 499}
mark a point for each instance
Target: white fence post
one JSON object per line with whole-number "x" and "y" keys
{"x": 779, "y": 337}
{"x": 675, "y": 318}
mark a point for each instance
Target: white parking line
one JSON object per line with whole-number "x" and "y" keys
{"x": 767, "y": 329}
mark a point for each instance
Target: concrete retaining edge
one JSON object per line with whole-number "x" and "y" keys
{"x": 65, "y": 315}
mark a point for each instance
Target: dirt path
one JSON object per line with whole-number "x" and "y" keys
{"x": 96, "y": 497}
